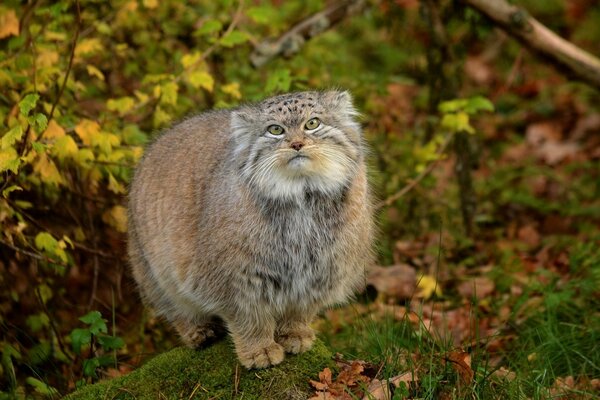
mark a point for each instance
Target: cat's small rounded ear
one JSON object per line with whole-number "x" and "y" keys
{"x": 340, "y": 100}
{"x": 241, "y": 118}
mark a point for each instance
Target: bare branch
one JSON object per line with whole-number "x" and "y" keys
{"x": 292, "y": 41}
{"x": 519, "y": 24}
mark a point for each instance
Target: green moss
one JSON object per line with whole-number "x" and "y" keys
{"x": 211, "y": 373}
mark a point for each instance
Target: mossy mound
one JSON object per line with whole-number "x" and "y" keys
{"x": 212, "y": 373}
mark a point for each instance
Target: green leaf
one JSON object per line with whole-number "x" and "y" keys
{"x": 262, "y": 14}
{"x": 452, "y": 106}
{"x": 79, "y": 338}
{"x": 89, "y": 367}
{"x": 210, "y": 26}
{"x": 105, "y": 360}
{"x": 279, "y": 81}
{"x": 28, "y": 103}
{"x": 37, "y": 322}
{"x": 234, "y": 38}
{"x": 11, "y": 137}
{"x": 95, "y": 321}
{"x": 39, "y": 121}
{"x": 133, "y": 135}
{"x": 169, "y": 93}
{"x": 41, "y": 387}
{"x": 8, "y": 352}
{"x": 457, "y": 123}
{"x": 40, "y": 353}
{"x": 39, "y": 147}
{"x": 10, "y": 189}
{"x": 111, "y": 342}
{"x": 84, "y": 157}
{"x": 45, "y": 292}
{"x": 46, "y": 242}
{"x": 478, "y": 103}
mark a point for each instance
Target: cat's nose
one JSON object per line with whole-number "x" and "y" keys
{"x": 296, "y": 145}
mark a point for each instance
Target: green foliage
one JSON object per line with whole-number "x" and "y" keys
{"x": 455, "y": 113}
{"x": 94, "y": 336}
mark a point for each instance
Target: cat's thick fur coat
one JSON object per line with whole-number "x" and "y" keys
{"x": 231, "y": 224}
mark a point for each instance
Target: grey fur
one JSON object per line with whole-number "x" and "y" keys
{"x": 230, "y": 223}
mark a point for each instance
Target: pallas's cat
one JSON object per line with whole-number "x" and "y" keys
{"x": 254, "y": 219}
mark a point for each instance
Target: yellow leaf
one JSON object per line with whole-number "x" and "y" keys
{"x": 150, "y": 4}
{"x": 9, "y": 160}
{"x": 86, "y": 130}
{"x": 93, "y": 71}
{"x": 54, "y": 130}
{"x": 141, "y": 96}
{"x": 122, "y": 105}
{"x": 201, "y": 79}
{"x": 65, "y": 147}
{"x": 57, "y": 36}
{"x": 160, "y": 117}
{"x": 105, "y": 141}
{"x": 114, "y": 186}
{"x": 190, "y": 59}
{"x": 232, "y": 89}
{"x": 428, "y": 286}
{"x": 137, "y": 152}
{"x": 116, "y": 217}
{"x": 47, "y": 58}
{"x": 9, "y": 24}
{"x": 47, "y": 170}
{"x": 84, "y": 157}
{"x": 169, "y": 93}
{"x": 88, "y": 47}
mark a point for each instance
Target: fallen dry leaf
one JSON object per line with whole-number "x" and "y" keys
{"x": 461, "y": 362}
{"x": 529, "y": 235}
{"x": 397, "y": 281}
{"x": 478, "y": 70}
{"x": 324, "y": 381}
{"x": 378, "y": 390}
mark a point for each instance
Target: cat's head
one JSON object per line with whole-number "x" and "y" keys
{"x": 298, "y": 142}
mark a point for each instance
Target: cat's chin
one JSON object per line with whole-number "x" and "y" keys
{"x": 299, "y": 163}
{"x": 292, "y": 183}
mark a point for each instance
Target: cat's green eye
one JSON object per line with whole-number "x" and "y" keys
{"x": 275, "y": 130}
{"x": 312, "y": 124}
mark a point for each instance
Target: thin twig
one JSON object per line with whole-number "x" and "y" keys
{"x": 95, "y": 259}
{"x": 414, "y": 182}
{"x": 61, "y": 344}
{"x": 32, "y": 254}
{"x": 511, "y": 75}
{"x": 70, "y": 66}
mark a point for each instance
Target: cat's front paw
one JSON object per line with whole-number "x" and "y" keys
{"x": 297, "y": 340}
{"x": 262, "y": 357}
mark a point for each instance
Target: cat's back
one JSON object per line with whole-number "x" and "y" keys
{"x": 164, "y": 188}
{"x": 195, "y": 140}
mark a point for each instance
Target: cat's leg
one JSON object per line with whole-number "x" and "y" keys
{"x": 294, "y": 332}
{"x": 197, "y": 331}
{"x": 253, "y": 331}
